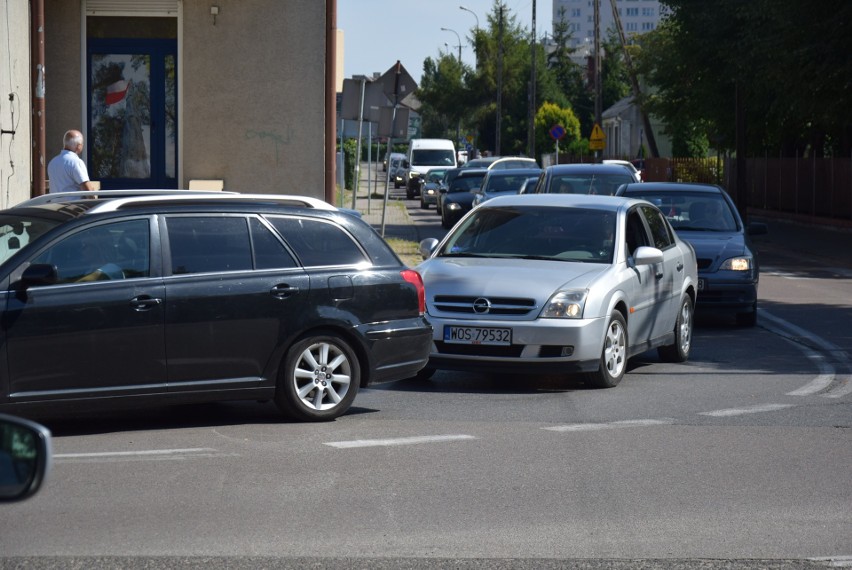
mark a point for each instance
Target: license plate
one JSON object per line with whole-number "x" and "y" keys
{"x": 701, "y": 284}
{"x": 478, "y": 335}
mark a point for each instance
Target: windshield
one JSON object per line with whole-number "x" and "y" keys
{"x": 558, "y": 234}
{"x": 16, "y": 232}
{"x": 693, "y": 211}
{"x": 433, "y": 157}
{"x": 577, "y": 183}
{"x": 466, "y": 183}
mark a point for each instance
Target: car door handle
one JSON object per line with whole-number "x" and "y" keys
{"x": 144, "y": 303}
{"x": 283, "y": 291}
{"x": 659, "y": 275}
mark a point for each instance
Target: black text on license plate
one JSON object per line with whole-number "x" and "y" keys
{"x": 478, "y": 335}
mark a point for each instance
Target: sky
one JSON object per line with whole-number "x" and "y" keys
{"x": 377, "y": 33}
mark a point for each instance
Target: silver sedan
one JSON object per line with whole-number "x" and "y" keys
{"x": 559, "y": 284}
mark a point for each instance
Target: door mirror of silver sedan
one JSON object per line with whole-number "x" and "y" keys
{"x": 645, "y": 255}
{"x": 427, "y": 246}
{"x": 24, "y": 457}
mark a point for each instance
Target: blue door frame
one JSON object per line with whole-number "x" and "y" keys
{"x": 132, "y": 112}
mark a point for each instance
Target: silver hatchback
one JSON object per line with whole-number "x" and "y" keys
{"x": 559, "y": 284}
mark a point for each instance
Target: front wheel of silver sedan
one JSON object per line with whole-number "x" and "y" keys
{"x": 319, "y": 380}
{"x": 613, "y": 362}
{"x": 678, "y": 351}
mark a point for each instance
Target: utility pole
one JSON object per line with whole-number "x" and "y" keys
{"x": 646, "y": 122}
{"x": 499, "y": 80}
{"x": 531, "y": 114}
{"x": 597, "y": 59}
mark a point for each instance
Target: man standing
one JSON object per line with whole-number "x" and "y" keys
{"x": 67, "y": 171}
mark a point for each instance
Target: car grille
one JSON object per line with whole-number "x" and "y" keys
{"x": 484, "y": 305}
{"x": 704, "y": 263}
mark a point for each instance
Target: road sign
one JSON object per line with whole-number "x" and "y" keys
{"x": 598, "y": 139}
{"x": 557, "y": 132}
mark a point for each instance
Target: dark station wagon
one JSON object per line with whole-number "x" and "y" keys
{"x": 175, "y": 297}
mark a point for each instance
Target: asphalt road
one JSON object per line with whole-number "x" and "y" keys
{"x": 738, "y": 458}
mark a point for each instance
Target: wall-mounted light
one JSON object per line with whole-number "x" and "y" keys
{"x": 214, "y": 11}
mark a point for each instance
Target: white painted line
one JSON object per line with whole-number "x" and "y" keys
{"x": 800, "y": 332}
{"x": 397, "y": 441}
{"x": 821, "y": 382}
{"x": 844, "y": 389}
{"x": 611, "y": 425}
{"x": 747, "y": 410}
{"x": 844, "y": 561}
{"x": 140, "y": 453}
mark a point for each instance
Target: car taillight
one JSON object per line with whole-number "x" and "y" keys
{"x": 415, "y": 279}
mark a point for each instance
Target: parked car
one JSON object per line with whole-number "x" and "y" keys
{"x": 429, "y": 191}
{"x": 626, "y": 164}
{"x": 189, "y": 297}
{"x": 390, "y": 157}
{"x": 705, "y": 216}
{"x": 457, "y": 200}
{"x": 602, "y": 179}
{"x": 504, "y": 183}
{"x": 25, "y": 457}
{"x": 559, "y": 284}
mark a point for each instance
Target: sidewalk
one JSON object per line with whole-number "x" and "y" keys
{"x": 370, "y": 201}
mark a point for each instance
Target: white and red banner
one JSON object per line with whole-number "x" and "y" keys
{"x": 116, "y": 92}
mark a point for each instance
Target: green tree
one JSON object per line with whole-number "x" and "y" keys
{"x": 550, "y": 114}
{"x": 444, "y": 96}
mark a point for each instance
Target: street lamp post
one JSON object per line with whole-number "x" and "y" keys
{"x": 472, "y": 12}
{"x": 458, "y": 37}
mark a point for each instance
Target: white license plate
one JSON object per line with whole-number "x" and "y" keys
{"x": 478, "y": 335}
{"x": 701, "y": 284}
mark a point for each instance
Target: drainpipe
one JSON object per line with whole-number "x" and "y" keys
{"x": 39, "y": 165}
{"x": 330, "y": 98}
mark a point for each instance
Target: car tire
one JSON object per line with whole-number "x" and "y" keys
{"x": 320, "y": 378}
{"x": 409, "y": 193}
{"x": 678, "y": 351}
{"x": 423, "y": 204}
{"x": 445, "y": 223}
{"x": 748, "y": 319}
{"x": 613, "y": 363}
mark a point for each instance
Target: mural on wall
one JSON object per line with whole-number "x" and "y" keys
{"x": 120, "y": 143}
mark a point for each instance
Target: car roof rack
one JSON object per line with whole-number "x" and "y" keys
{"x": 53, "y": 197}
{"x": 118, "y": 199}
{"x": 198, "y": 197}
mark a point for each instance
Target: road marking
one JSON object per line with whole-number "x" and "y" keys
{"x": 821, "y": 382}
{"x": 611, "y": 425}
{"x": 747, "y": 410}
{"x": 156, "y": 453}
{"x": 397, "y": 441}
{"x": 835, "y": 561}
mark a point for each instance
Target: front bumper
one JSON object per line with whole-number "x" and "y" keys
{"x": 548, "y": 346}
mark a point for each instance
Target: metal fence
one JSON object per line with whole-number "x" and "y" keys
{"x": 814, "y": 187}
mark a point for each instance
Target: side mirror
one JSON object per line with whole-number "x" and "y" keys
{"x": 25, "y": 456}
{"x": 39, "y": 274}
{"x": 645, "y": 255}
{"x": 427, "y": 247}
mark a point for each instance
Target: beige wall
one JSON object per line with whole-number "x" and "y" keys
{"x": 15, "y": 149}
{"x": 253, "y": 95}
{"x": 251, "y": 90}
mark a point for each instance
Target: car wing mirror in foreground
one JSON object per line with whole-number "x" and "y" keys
{"x": 25, "y": 457}
{"x": 427, "y": 246}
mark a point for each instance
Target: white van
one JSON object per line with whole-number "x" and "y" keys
{"x": 423, "y": 156}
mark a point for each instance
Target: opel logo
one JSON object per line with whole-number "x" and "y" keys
{"x": 481, "y": 306}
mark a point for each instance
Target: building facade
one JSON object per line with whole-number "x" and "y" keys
{"x": 171, "y": 91}
{"x": 637, "y": 17}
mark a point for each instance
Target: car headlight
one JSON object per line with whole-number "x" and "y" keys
{"x": 737, "y": 264}
{"x": 565, "y": 305}
{"x": 452, "y": 206}
{"x": 430, "y": 191}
